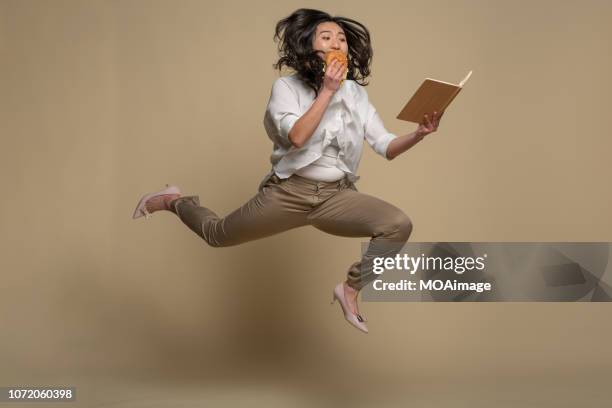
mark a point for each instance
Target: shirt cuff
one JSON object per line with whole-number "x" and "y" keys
{"x": 383, "y": 144}
{"x": 286, "y": 123}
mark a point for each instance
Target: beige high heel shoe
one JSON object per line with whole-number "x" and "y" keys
{"x": 356, "y": 320}
{"x": 363, "y": 318}
{"x": 141, "y": 208}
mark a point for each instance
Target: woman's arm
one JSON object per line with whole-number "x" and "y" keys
{"x": 402, "y": 143}
{"x": 305, "y": 126}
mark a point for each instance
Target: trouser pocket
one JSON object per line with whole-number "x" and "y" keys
{"x": 274, "y": 180}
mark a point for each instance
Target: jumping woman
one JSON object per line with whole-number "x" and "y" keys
{"x": 317, "y": 121}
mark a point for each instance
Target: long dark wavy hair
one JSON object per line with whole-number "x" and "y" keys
{"x": 295, "y": 35}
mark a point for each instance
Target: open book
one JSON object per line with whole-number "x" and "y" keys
{"x": 432, "y": 95}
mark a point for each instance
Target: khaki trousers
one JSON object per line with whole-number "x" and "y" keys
{"x": 337, "y": 208}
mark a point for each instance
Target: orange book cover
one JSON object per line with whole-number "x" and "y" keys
{"x": 432, "y": 95}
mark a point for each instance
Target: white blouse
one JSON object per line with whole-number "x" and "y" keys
{"x": 350, "y": 118}
{"x": 326, "y": 167}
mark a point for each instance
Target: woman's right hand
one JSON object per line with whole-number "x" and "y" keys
{"x": 333, "y": 76}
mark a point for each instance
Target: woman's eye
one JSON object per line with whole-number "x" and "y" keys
{"x": 327, "y": 38}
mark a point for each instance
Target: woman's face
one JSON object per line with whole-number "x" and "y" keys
{"x": 329, "y": 36}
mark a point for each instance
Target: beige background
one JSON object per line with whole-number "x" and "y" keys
{"x": 102, "y": 101}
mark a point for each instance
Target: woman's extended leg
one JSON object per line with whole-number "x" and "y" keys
{"x": 351, "y": 213}
{"x": 269, "y": 212}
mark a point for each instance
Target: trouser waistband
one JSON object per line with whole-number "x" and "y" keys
{"x": 343, "y": 182}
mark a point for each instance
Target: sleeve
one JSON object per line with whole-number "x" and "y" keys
{"x": 283, "y": 111}
{"x": 375, "y": 133}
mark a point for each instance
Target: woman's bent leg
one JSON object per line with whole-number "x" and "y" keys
{"x": 351, "y": 213}
{"x": 269, "y": 212}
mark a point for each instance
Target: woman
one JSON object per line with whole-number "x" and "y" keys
{"x": 317, "y": 122}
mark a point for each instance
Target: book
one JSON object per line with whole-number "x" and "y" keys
{"x": 432, "y": 95}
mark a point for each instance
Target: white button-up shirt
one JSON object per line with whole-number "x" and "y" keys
{"x": 350, "y": 117}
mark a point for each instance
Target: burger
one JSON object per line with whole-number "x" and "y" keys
{"x": 341, "y": 57}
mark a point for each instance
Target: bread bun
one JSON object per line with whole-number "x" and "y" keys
{"x": 338, "y": 55}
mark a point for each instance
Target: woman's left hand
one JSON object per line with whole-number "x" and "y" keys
{"x": 429, "y": 125}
